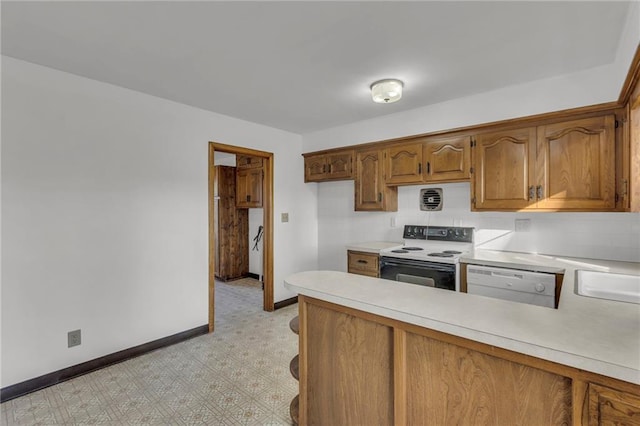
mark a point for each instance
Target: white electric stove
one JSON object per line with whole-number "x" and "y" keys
{"x": 429, "y": 256}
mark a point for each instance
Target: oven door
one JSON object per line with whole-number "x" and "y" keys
{"x": 430, "y": 274}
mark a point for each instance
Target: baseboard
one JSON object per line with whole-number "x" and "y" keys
{"x": 285, "y": 302}
{"x": 255, "y": 276}
{"x": 32, "y": 385}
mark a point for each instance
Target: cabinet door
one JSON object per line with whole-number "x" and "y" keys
{"x": 249, "y": 188}
{"x": 612, "y": 407}
{"x": 346, "y": 369}
{"x": 371, "y": 193}
{"x": 315, "y": 168}
{"x": 447, "y": 159}
{"x": 340, "y": 165}
{"x": 447, "y": 384}
{"x": 404, "y": 164}
{"x": 248, "y": 162}
{"x": 504, "y": 170}
{"x": 576, "y": 164}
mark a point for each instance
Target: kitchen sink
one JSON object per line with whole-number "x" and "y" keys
{"x": 605, "y": 285}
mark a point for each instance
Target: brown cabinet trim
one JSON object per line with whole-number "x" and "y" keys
{"x": 633, "y": 76}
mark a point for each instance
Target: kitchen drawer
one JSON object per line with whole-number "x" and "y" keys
{"x": 362, "y": 263}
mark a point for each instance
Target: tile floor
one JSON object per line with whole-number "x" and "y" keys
{"x": 238, "y": 375}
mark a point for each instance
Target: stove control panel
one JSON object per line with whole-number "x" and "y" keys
{"x": 438, "y": 233}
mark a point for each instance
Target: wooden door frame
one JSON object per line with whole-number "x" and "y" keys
{"x": 267, "y": 206}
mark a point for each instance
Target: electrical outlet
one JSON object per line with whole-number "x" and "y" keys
{"x": 284, "y": 217}
{"x": 73, "y": 338}
{"x": 523, "y": 225}
{"x": 394, "y": 222}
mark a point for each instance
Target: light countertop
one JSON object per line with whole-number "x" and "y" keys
{"x": 596, "y": 335}
{"x": 372, "y": 246}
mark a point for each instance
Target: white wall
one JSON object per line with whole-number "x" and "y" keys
{"x": 104, "y": 216}
{"x": 627, "y": 45}
{"x": 588, "y": 87}
{"x": 601, "y": 235}
{"x": 224, "y": 159}
{"x": 590, "y": 235}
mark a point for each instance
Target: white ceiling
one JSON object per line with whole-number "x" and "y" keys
{"x": 306, "y": 66}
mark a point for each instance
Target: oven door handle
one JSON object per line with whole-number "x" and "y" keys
{"x": 391, "y": 261}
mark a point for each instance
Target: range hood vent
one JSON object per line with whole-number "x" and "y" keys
{"x": 431, "y": 199}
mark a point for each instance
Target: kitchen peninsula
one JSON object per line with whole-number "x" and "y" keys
{"x": 374, "y": 351}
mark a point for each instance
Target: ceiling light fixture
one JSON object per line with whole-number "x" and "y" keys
{"x": 386, "y": 91}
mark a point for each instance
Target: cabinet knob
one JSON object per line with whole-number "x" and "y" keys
{"x": 248, "y": 198}
{"x": 419, "y": 168}
{"x": 379, "y": 197}
{"x": 362, "y": 261}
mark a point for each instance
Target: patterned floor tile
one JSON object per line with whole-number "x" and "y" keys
{"x": 239, "y": 375}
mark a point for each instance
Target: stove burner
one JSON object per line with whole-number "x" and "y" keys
{"x": 444, "y": 254}
{"x": 412, "y": 248}
{"x": 399, "y": 251}
{"x": 452, "y": 252}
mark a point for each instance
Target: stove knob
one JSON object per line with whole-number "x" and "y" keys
{"x": 540, "y": 287}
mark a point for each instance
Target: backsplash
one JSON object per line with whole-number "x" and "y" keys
{"x": 614, "y": 236}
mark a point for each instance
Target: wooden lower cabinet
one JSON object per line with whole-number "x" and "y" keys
{"x": 363, "y": 263}
{"x": 349, "y": 365}
{"x": 472, "y": 388}
{"x": 612, "y": 407}
{"x": 358, "y": 368}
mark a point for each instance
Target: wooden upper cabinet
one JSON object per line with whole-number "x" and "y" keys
{"x": 429, "y": 160}
{"x": 371, "y": 193}
{"x": 576, "y": 164}
{"x": 336, "y": 166}
{"x": 315, "y": 168}
{"x": 403, "y": 164}
{"x": 447, "y": 159}
{"x": 504, "y": 163}
{"x": 249, "y": 188}
{"x": 248, "y": 162}
{"x": 562, "y": 166}
{"x": 629, "y": 182}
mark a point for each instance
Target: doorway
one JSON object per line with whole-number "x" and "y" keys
{"x": 267, "y": 206}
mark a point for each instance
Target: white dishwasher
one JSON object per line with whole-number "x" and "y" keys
{"x": 534, "y": 288}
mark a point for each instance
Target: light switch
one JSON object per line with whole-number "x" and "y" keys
{"x": 284, "y": 217}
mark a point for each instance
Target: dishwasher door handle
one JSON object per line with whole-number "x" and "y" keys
{"x": 507, "y": 275}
